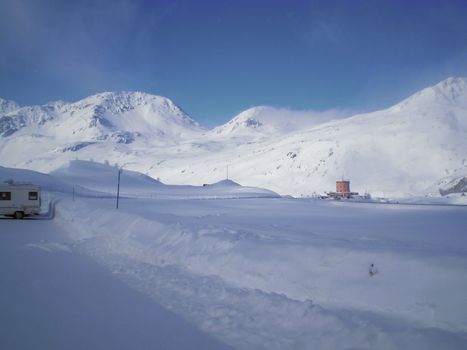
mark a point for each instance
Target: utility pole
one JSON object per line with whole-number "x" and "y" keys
{"x": 227, "y": 171}
{"x": 118, "y": 185}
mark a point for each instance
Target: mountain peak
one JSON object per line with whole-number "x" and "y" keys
{"x": 264, "y": 121}
{"x": 452, "y": 90}
{"x": 123, "y": 101}
{"x": 250, "y": 120}
{"x": 113, "y": 108}
{"x": 120, "y": 116}
{"x": 7, "y": 106}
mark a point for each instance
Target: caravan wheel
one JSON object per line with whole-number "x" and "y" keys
{"x": 19, "y": 214}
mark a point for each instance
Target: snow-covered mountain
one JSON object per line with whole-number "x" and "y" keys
{"x": 403, "y": 150}
{"x": 265, "y": 121}
{"x": 7, "y": 106}
{"x": 121, "y": 116}
{"x": 102, "y": 126}
{"x": 451, "y": 91}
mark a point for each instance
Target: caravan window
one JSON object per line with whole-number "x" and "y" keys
{"x": 33, "y": 196}
{"x": 5, "y": 196}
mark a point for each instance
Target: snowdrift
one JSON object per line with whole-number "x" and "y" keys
{"x": 100, "y": 180}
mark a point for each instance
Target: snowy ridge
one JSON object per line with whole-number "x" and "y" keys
{"x": 100, "y": 180}
{"x": 449, "y": 91}
{"x": 17, "y": 118}
{"x": 7, "y": 106}
{"x": 103, "y": 116}
{"x": 47, "y": 182}
{"x": 268, "y": 121}
{"x": 133, "y": 111}
{"x": 401, "y": 151}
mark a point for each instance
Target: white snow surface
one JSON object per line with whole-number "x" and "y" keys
{"x": 103, "y": 179}
{"x": 275, "y": 273}
{"x": 402, "y": 151}
{"x": 54, "y": 297}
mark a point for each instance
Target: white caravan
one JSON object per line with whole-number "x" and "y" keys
{"x": 19, "y": 199}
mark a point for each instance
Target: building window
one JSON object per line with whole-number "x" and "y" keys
{"x": 33, "y": 196}
{"x": 5, "y": 196}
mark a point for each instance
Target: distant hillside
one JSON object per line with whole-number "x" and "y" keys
{"x": 403, "y": 150}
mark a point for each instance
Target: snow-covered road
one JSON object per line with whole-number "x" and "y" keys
{"x": 52, "y": 297}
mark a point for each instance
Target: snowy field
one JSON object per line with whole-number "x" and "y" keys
{"x": 252, "y": 270}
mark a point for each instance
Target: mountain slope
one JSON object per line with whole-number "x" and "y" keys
{"x": 403, "y": 150}
{"x": 399, "y": 151}
{"x": 46, "y": 137}
{"x": 121, "y": 116}
{"x": 265, "y": 121}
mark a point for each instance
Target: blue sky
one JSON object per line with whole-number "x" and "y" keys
{"x": 217, "y": 58}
